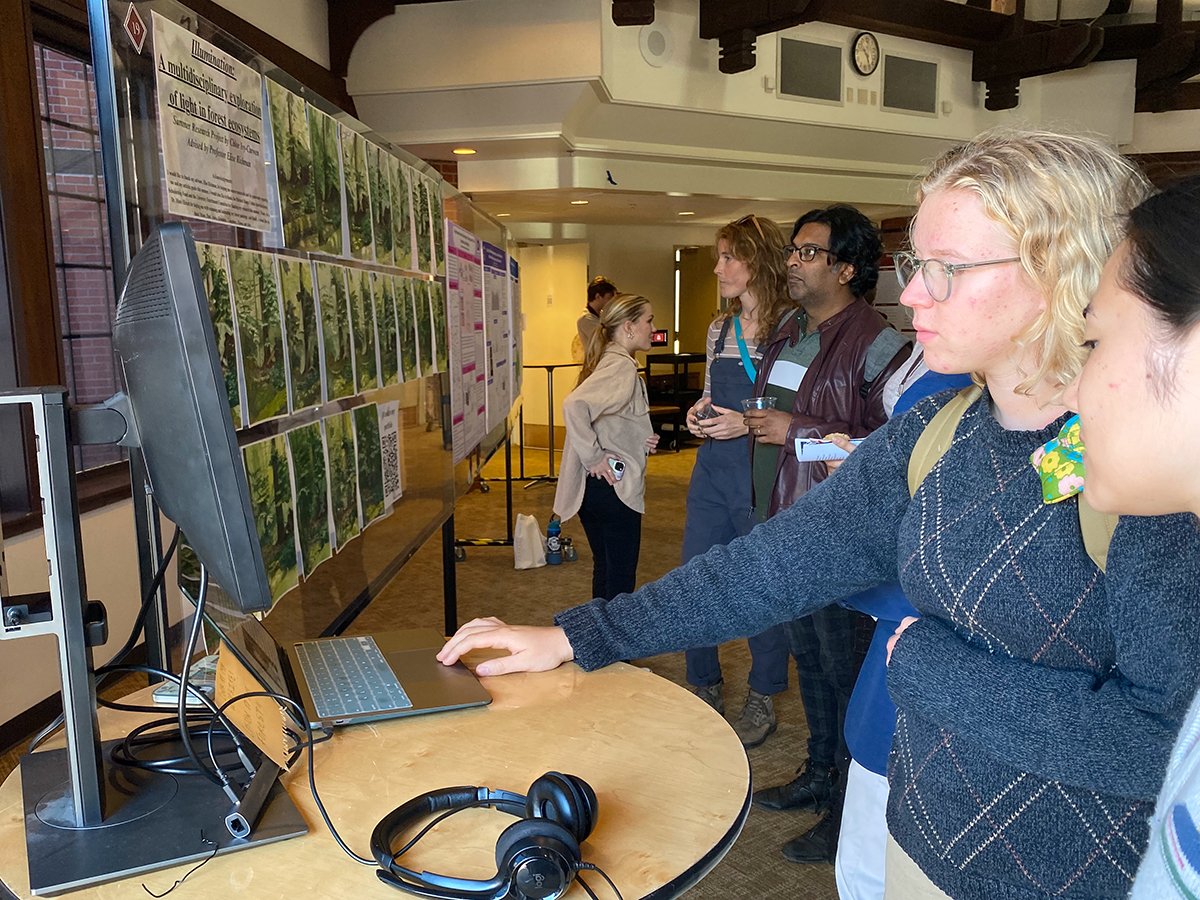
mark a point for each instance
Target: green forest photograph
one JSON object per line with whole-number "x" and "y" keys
{"x": 358, "y": 194}
{"x": 312, "y": 495}
{"x": 220, "y": 310}
{"x": 385, "y": 328}
{"x": 406, "y": 327}
{"x": 300, "y": 327}
{"x": 424, "y": 326}
{"x": 327, "y": 182}
{"x": 420, "y": 200}
{"x": 381, "y": 202}
{"x": 362, "y": 326}
{"x": 401, "y": 213}
{"x": 271, "y": 499}
{"x": 293, "y": 167}
{"x": 343, "y": 477}
{"x": 439, "y": 225}
{"x": 441, "y": 335}
{"x": 256, "y": 305}
{"x": 370, "y": 463}
{"x": 335, "y": 329}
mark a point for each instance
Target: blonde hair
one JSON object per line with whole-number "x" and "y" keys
{"x": 758, "y": 244}
{"x": 1063, "y": 200}
{"x": 619, "y": 310}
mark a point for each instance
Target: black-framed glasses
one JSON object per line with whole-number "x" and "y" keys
{"x": 938, "y": 275}
{"x": 808, "y": 252}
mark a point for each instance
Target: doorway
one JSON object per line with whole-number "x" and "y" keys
{"x": 697, "y": 301}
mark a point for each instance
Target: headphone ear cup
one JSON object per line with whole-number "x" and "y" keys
{"x": 525, "y": 833}
{"x": 565, "y": 799}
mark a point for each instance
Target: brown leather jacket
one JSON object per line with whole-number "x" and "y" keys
{"x": 832, "y": 396}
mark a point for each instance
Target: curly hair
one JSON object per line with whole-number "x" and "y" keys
{"x": 757, "y": 243}
{"x": 853, "y": 239}
{"x": 1063, "y": 200}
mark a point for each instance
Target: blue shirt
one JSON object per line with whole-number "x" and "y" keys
{"x": 871, "y": 715}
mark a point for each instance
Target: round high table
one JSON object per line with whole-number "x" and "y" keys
{"x": 550, "y": 477}
{"x": 670, "y": 775}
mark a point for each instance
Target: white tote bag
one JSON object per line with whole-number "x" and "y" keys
{"x": 528, "y": 550}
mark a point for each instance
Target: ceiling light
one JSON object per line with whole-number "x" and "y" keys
{"x": 503, "y": 215}
{"x": 687, "y": 213}
{"x": 579, "y": 203}
{"x": 463, "y": 151}
{"x": 677, "y": 194}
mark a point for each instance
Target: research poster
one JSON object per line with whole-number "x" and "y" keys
{"x": 210, "y": 121}
{"x": 495, "y": 298}
{"x": 517, "y": 325}
{"x": 464, "y": 289}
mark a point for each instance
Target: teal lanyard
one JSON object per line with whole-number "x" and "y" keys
{"x": 742, "y": 349}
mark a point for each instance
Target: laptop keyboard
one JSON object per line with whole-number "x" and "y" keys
{"x": 349, "y": 677}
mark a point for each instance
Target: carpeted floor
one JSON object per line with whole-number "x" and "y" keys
{"x": 488, "y": 585}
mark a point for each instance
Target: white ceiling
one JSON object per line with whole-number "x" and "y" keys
{"x": 630, "y": 208}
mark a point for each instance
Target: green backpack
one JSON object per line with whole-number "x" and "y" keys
{"x": 935, "y": 440}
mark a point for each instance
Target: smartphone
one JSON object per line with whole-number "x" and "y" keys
{"x": 618, "y": 468}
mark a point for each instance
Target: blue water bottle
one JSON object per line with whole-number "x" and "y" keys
{"x": 554, "y": 541}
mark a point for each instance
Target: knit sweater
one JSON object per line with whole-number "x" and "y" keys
{"x": 1038, "y": 697}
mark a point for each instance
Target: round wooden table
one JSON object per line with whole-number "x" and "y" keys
{"x": 670, "y": 775}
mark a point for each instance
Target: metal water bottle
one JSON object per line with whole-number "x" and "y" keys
{"x": 554, "y": 541}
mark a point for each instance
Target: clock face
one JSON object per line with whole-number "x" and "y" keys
{"x": 865, "y": 53}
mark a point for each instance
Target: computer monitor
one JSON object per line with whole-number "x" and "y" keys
{"x": 164, "y": 337}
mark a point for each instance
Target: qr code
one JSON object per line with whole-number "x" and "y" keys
{"x": 390, "y": 444}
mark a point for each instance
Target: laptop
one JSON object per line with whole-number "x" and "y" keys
{"x": 347, "y": 680}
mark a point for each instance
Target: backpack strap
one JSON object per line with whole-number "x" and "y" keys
{"x": 1097, "y": 528}
{"x": 935, "y": 440}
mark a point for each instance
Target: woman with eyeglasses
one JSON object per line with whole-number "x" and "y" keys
{"x": 1040, "y": 690}
{"x": 753, "y": 279}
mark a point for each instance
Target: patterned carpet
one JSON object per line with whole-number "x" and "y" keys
{"x": 488, "y": 585}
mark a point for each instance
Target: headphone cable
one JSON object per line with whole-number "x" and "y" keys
{"x": 592, "y": 867}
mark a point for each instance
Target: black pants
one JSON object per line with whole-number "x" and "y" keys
{"x": 827, "y": 661}
{"x": 614, "y": 532}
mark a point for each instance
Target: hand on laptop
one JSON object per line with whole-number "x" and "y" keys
{"x": 532, "y": 649}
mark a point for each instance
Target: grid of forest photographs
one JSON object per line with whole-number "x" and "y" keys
{"x": 295, "y": 332}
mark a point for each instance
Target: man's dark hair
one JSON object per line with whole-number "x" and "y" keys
{"x": 598, "y": 287}
{"x": 852, "y": 239}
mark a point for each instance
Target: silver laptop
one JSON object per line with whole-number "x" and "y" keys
{"x": 344, "y": 680}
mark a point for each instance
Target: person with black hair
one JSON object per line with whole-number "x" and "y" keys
{"x": 826, "y": 370}
{"x": 599, "y": 292}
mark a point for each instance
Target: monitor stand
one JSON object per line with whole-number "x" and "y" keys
{"x": 152, "y": 821}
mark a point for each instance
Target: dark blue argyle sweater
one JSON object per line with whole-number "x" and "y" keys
{"x": 1038, "y": 698}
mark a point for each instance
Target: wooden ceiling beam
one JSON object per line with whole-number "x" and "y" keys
{"x": 348, "y": 19}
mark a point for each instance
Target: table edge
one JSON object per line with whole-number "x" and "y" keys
{"x": 692, "y": 875}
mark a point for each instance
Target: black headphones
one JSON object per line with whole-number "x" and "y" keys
{"x": 537, "y": 858}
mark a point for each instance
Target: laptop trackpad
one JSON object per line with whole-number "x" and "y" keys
{"x": 428, "y": 683}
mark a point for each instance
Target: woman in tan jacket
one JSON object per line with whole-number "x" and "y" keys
{"x": 603, "y": 471}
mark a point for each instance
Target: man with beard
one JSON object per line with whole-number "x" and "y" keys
{"x": 826, "y": 371}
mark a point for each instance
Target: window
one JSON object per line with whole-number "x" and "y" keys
{"x": 79, "y": 230}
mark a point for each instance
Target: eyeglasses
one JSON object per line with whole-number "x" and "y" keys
{"x": 751, "y": 219}
{"x": 808, "y": 252}
{"x": 938, "y": 275}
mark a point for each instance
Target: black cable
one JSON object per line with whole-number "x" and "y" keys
{"x": 217, "y": 777}
{"x": 583, "y": 884}
{"x": 474, "y": 804}
{"x": 130, "y": 643}
{"x": 203, "y": 840}
{"x": 592, "y": 867}
{"x": 312, "y": 775}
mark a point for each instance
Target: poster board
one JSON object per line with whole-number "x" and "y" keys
{"x": 310, "y": 220}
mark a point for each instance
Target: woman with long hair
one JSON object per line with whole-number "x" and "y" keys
{"x": 752, "y": 277}
{"x": 1138, "y": 399}
{"x": 1041, "y": 689}
{"x": 603, "y": 472}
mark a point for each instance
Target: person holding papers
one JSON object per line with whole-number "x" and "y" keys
{"x": 826, "y": 369}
